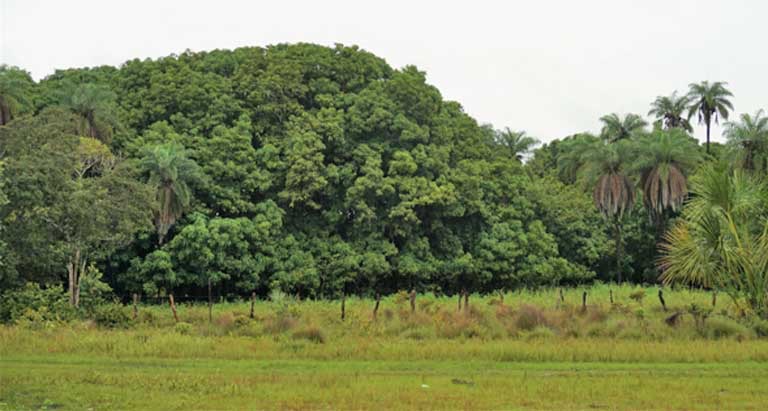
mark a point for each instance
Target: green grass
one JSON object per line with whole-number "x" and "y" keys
{"x": 529, "y": 353}
{"x": 77, "y": 382}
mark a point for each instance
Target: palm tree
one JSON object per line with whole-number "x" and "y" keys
{"x": 748, "y": 139}
{"x": 95, "y": 106}
{"x": 616, "y": 128}
{"x": 170, "y": 171}
{"x": 14, "y": 85}
{"x": 669, "y": 110}
{"x": 722, "y": 240}
{"x": 518, "y": 143}
{"x": 663, "y": 161}
{"x": 710, "y": 101}
{"x": 606, "y": 167}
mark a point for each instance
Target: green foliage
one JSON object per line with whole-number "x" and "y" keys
{"x": 16, "y": 86}
{"x": 49, "y": 304}
{"x": 722, "y": 240}
{"x": 616, "y": 128}
{"x": 318, "y": 171}
{"x": 111, "y": 315}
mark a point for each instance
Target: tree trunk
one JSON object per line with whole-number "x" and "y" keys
{"x": 376, "y": 307}
{"x": 714, "y": 298}
{"x": 708, "y": 125}
{"x": 466, "y": 301}
{"x": 75, "y": 270}
{"x": 501, "y": 297}
{"x": 619, "y": 250}
{"x": 5, "y": 114}
{"x": 135, "y": 306}
{"x": 461, "y": 295}
{"x": 584, "y": 301}
{"x": 661, "y": 300}
{"x": 610, "y": 294}
{"x": 343, "y": 306}
{"x": 210, "y": 302}
{"x": 412, "y": 297}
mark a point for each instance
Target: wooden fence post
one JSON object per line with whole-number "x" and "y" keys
{"x": 253, "y": 301}
{"x": 135, "y": 306}
{"x": 173, "y": 307}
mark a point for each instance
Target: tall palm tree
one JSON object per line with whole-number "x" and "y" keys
{"x": 95, "y": 106}
{"x": 710, "y": 102}
{"x": 606, "y": 167}
{"x": 170, "y": 171}
{"x": 669, "y": 110}
{"x": 663, "y": 160}
{"x": 616, "y": 128}
{"x": 748, "y": 139}
{"x": 518, "y": 143}
{"x": 14, "y": 86}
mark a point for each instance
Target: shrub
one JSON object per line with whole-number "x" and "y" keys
{"x": 225, "y": 321}
{"x": 52, "y": 304}
{"x": 539, "y": 333}
{"x": 111, "y": 315}
{"x": 420, "y": 333}
{"x": 312, "y": 333}
{"x": 760, "y": 327}
{"x": 637, "y": 295}
{"x": 183, "y": 328}
{"x": 241, "y": 320}
{"x": 251, "y": 329}
{"x": 529, "y": 317}
{"x": 722, "y": 327}
{"x": 401, "y": 297}
{"x": 279, "y": 324}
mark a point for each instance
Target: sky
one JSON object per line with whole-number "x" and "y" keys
{"x": 552, "y": 68}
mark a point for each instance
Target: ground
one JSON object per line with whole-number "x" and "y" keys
{"x": 300, "y": 355}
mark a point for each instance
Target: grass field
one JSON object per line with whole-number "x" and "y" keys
{"x": 532, "y": 352}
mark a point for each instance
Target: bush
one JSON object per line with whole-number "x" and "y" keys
{"x": 51, "y": 304}
{"x": 539, "y": 333}
{"x": 760, "y": 327}
{"x": 111, "y": 316}
{"x": 279, "y": 324}
{"x": 722, "y": 327}
{"x": 313, "y": 334}
{"x": 637, "y": 295}
{"x": 529, "y": 317}
{"x": 183, "y": 328}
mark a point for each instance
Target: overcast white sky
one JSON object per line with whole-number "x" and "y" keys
{"x": 549, "y": 67}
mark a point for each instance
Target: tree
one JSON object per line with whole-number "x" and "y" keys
{"x": 517, "y": 143}
{"x": 95, "y": 105}
{"x": 669, "y": 111}
{"x": 747, "y": 140}
{"x": 663, "y": 161}
{"x": 15, "y": 85}
{"x": 605, "y": 167}
{"x": 171, "y": 173}
{"x": 709, "y": 101}
{"x": 616, "y": 128}
{"x": 722, "y": 240}
{"x": 69, "y": 218}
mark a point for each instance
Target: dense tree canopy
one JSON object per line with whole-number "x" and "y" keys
{"x": 319, "y": 172}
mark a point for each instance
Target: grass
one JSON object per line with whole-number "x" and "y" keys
{"x": 532, "y": 352}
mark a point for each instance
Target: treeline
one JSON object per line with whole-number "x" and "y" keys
{"x": 319, "y": 172}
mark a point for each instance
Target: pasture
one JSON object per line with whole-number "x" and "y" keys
{"x": 533, "y": 351}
